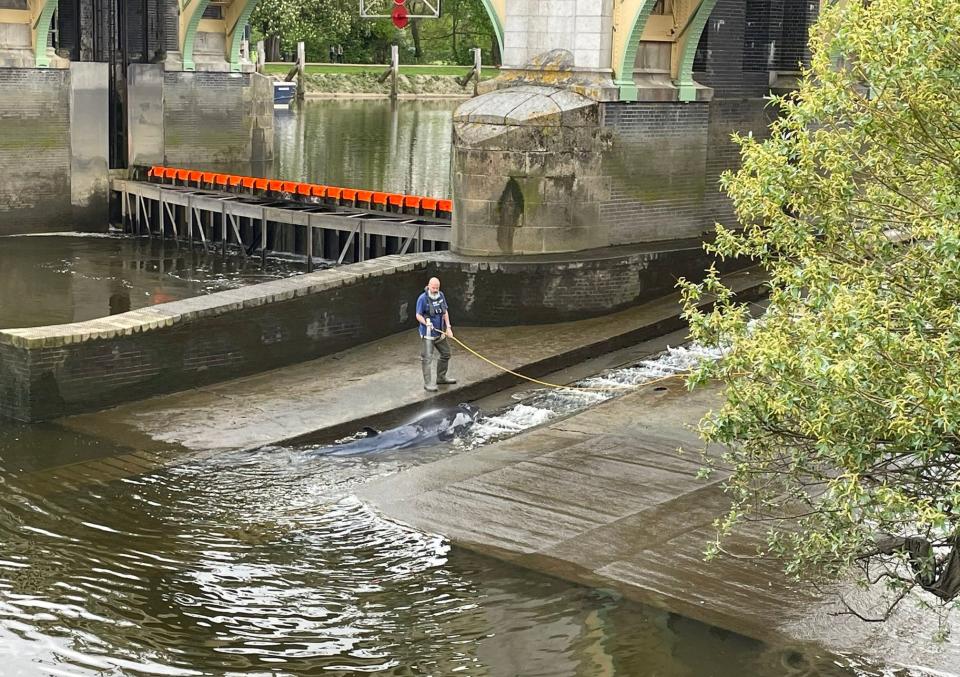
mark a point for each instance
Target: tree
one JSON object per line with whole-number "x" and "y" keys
{"x": 318, "y": 23}
{"x": 841, "y": 415}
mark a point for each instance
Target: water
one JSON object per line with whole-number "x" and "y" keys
{"x": 261, "y": 563}
{"x": 367, "y": 144}
{"x": 545, "y": 404}
{"x": 75, "y": 278}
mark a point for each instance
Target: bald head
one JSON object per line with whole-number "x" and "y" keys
{"x": 433, "y": 286}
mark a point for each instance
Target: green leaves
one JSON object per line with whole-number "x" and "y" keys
{"x": 843, "y": 404}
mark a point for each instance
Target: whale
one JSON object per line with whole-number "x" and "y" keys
{"x": 433, "y": 427}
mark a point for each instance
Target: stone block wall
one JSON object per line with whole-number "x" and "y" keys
{"x": 198, "y": 118}
{"x": 582, "y": 27}
{"x": 527, "y": 173}
{"x": 53, "y": 149}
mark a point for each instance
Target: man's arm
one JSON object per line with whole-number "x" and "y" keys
{"x": 421, "y": 317}
{"x": 446, "y": 323}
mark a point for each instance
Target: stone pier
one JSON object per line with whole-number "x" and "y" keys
{"x": 610, "y": 123}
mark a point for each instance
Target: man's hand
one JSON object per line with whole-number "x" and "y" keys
{"x": 450, "y": 332}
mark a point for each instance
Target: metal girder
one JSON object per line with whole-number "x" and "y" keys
{"x": 236, "y": 17}
{"x": 41, "y": 16}
{"x": 630, "y": 19}
{"x": 685, "y": 49}
{"x": 682, "y": 27}
{"x": 191, "y": 12}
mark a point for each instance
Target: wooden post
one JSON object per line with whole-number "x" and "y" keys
{"x": 478, "y": 69}
{"x": 301, "y": 67}
{"x": 394, "y": 69}
{"x": 261, "y": 57}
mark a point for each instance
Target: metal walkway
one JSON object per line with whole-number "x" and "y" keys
{"x": 262, "y": 224}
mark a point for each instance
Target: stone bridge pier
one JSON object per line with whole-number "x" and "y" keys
{"x": 610, "y": 122}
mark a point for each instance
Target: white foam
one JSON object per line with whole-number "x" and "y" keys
{"x": 544, "y": 405}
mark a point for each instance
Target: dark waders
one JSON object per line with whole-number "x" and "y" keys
{"x": 433, "y": 345}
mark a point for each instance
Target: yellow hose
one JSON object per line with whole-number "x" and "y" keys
{"x": 617, "y": 386}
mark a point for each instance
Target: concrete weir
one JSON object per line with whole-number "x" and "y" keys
{"x": 52, "y": 371}
{"x": 603, "y": 498}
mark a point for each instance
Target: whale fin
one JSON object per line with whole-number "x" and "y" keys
{"x": 371, "y": 432}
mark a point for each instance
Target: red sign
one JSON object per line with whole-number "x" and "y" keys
{"x": 399, "y": 16}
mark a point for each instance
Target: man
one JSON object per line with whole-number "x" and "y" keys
{"x": 434, "y": 318}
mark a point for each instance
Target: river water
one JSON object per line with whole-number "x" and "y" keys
{"x": 261, "y": 563}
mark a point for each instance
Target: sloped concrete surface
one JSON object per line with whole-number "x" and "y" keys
{"x": 605, "y": 498}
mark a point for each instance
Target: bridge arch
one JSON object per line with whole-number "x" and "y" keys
{"x": 41, "y": 20}
{"x": 237, "y": 17}
{"x": 497, "y": 11}
{"x": 682, "y": 29}
{"x": 190, "y": 13}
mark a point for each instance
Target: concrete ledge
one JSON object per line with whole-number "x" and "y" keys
{"x": 46, "y": 372}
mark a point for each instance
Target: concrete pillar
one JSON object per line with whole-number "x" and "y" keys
{"x": 527, "y": 173}
{"x": 180, "y": 118}
{"x": 145, "y": 116}
{"x": 89, "y": 145}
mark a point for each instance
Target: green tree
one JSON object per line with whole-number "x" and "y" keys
{"x": 841, "y": 418}
{"x": 318, "y": 23}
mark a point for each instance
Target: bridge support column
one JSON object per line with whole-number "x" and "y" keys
{"x": 54, "y": 140}
{"x": 527, "y": 173}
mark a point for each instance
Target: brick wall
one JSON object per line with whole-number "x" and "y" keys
{"x": 34, "y": 150}
{"x": 529, "y": 292}
{"x": 207, "y": 118}
{"x": 656, "y": 166}
{"x": 667, "y": 157}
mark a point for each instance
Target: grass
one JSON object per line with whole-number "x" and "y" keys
{"x": 354, "y": 69}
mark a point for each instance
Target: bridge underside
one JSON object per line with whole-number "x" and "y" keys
{"x": 185, "y": 34}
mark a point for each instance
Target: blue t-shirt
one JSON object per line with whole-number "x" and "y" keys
{"x": 432, "y": 310}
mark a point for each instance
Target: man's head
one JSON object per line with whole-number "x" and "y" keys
{"x": 433, "y": 286}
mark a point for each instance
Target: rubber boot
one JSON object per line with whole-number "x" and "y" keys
{"x": 426, "y": 363}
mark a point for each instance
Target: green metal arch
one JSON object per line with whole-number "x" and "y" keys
{"x": 242, "y": 20}
{"x": 42, "y": 32}
{"x": 685, "y": 84}
{"x": 497, "y": 26}
{"x": 190, "y": 35}
{"x": 623, "y": 77}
